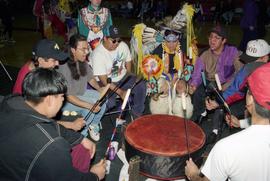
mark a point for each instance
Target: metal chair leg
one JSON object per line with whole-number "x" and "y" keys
{"x": 4, "y": 68}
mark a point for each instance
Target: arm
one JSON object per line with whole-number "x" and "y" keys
{"x": 108, "y": 24}
{"x": 233, "y": 93}
{"x": 128, "y": 66}
{"x": 237, "y": 64}
{"x": 120, "y": 92}
{"x": 233, "y": 121}
{"x": 76, "y": 125}
{"x": 57, "y": 162}
{"x": 78, "y": 102}
{"x": 69, "y": 135}
{"x": 89, "y": 145}
{"x": 196, "y": 78}
{"x": 94, "y": 84}
{"x": 83, "y": 29}
{"x": 193, "y": 173}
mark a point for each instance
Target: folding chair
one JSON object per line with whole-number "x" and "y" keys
{"x": 4, "y": 68}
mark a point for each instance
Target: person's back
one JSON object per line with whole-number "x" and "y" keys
{"x": 26, "y": 142}
{"x": 246, "y": 154}
{"x": 232, "y": 152}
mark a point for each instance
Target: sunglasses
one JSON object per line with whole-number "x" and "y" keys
{"x": 117, "y": 40}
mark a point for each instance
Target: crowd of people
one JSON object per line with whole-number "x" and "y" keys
{"x": 230, "y": 84}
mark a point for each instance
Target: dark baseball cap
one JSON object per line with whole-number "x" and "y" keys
{"x": 114, "y": 32}
{"x": 49, "y": 49}
{"x": 219, "y": 30}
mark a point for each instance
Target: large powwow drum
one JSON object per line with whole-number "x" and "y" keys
{"x": 161, "y": 143}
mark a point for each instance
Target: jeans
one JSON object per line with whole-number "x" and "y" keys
{"x": 90, "y": 96}
{"x": 137, "y": 96}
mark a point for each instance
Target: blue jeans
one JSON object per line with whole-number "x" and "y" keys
{"x": 138, "y": 95}
{"x": 90, "y": 96}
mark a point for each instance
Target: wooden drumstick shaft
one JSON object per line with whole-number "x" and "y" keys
{"x": 114, "y": 130}
{"x": 184, "y": 105}
{"x": 218, "y": 82}
{"x": 126, "y": 99}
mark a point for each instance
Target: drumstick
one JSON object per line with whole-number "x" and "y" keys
{"x": 203, "y": 78}
{"x": 114, "y": 130}
{"x": 226, "y": 106}
{"x": 118, "y": 86}
{"x": 218, "y": 82}
{"x": 102, "y": 95}
{"x": 184, "y": 105}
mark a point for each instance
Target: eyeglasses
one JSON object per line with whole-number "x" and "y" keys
{"x": 85, "y": 50}
{"x": 214, "y": 37}
{"x": 117, "y": 40}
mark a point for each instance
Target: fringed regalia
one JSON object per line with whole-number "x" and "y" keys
{"x": 94, "y": 24}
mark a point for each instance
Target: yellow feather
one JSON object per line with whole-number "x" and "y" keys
{"x": 191, "y": 38}
{"x": 137, "y": 34}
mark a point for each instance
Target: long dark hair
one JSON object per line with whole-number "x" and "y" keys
{"x": 81, "y": 70}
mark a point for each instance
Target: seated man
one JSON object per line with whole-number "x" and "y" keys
{"x": 78, "y": 74}
{"x": 46, "y": 54}
{"x": 220, "y": 59}
{"x": 112, "y": 59}
{"x": 244, "y": 155}
{"x": 256, "y": 55}
{"x": 33, "y": 146}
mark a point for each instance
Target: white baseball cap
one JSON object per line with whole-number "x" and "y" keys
{"x": 255, "y": 49}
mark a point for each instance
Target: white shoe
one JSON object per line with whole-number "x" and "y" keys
{"x": 94, "y": 132}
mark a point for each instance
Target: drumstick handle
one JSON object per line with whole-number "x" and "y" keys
{"x": 186, "y": 133}
{"x": 109, "y": 144}
{"x": 184, "y": 104}
{"x": 218, "y": 82}
{"x": 126, "y": 99}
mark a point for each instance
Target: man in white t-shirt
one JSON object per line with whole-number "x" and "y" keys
{"x": 246, "y": 154}
{"x": 112, "y": 59}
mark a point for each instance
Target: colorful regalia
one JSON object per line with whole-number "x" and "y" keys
{"x": 94, "y": 24}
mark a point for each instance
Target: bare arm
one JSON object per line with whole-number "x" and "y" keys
{"x": 120, "y": 92}
{"x": 193, "y": 173}
{"x": 78, "y": 102}
{"x": 128, "y": 66}
{"x": 94, "y": 84}
{"x": 76, "y": 125}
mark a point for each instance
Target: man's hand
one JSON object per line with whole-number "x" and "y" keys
{"x": 96, "y": 110}
{"x": 99, "y": 169}
{"x": 89, "y": 145}
{"x": 191, "y": 170}
{"x": 78, "y": 124}
{"x": 211, "y": 104}
{"x": 232, "y": 121}
{"x": 191, "y": 89}
{"x": 122, "y": 94}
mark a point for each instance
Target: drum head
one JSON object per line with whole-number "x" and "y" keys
{"x": 161, "y": 142}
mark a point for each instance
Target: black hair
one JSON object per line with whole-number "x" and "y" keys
{"x": 74, "y": 39}
{"x": 42, "y": 82}
{"x": 262, "y": 111}
{"x": 73, "y": 43}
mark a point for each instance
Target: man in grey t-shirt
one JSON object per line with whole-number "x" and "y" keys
{"x": 78, "y": 74}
